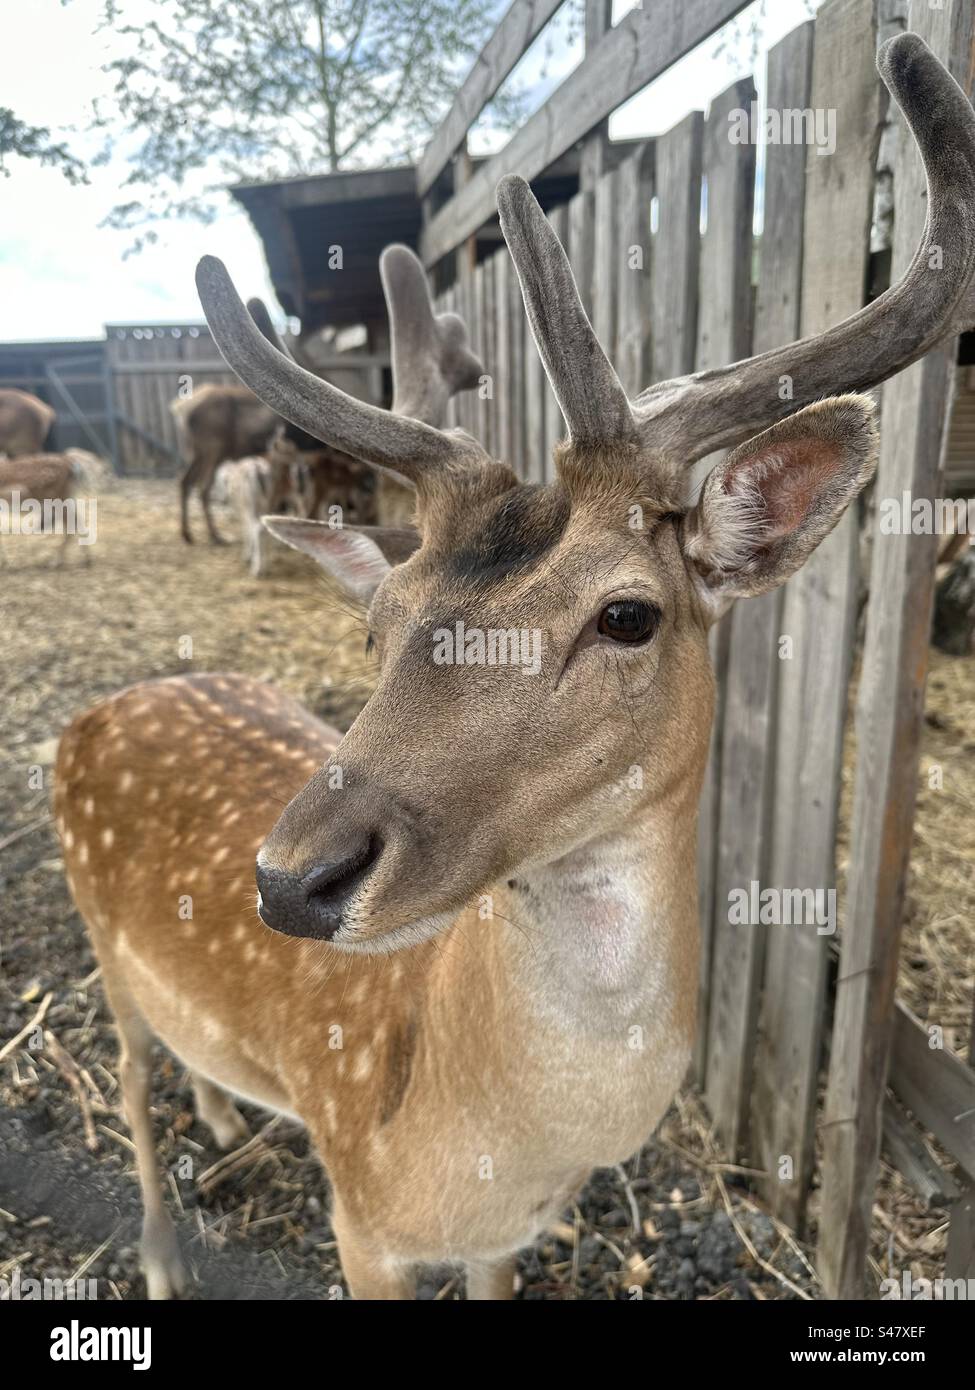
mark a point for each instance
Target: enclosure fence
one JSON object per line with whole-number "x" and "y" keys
{"x": 114, "y": 395}
{"x": 805, "y": 1056}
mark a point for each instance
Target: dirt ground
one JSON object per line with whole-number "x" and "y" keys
{"x": 676, "y": 1223}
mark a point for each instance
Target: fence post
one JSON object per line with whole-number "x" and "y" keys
{"x": 818, "y": 605}
{"x": 777, "y": 1113}
{"x": 592, "y": 162}
{"x": 889, "y": 715}
{"x": 723, "y": 335}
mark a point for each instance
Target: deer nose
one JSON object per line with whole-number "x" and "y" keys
{"x": 313, "y": 903}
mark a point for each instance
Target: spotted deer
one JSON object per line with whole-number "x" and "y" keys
{"x": 41, "y": 491}
{"x": 473, "y": 963}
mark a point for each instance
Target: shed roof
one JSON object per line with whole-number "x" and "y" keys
{"x": 299, "y": 220}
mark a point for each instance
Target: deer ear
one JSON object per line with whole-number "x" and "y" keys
{"x": 769, "y": 504}
{"x": 358, "y": 557}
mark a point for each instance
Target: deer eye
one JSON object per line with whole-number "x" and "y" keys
{"x": 629, "y": 620}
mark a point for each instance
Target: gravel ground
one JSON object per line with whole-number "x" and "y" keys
{"x": 676, "y": 1224}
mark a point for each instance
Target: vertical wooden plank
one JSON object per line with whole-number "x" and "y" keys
{"x": 467, "y": 399}
{"x": 479, "y": 336}
{"x": 780, "y": 1125}
{"x": 517, "y": 449}
{"x": 674, "y": 272}
{"x": 677, "y": 248}
{"x": 554, "y": 424}
{"x": 606, "y": 252}
{"x": 466, "y": 253}
{"x": 490, "y": 328}
{"x": 582, "y": 233}
{"x": 818, "y": 607}
{"x": 633, "y": 330}
{"x": 501, "y": 370}
{"x": 447, "y": 304}
{"x": 724, "y": 297}
{"x": 723, "y": 335}
{"x": 536, "y": 385}
{"x": 889, "y": 714}
{"x": 592, "y": 163}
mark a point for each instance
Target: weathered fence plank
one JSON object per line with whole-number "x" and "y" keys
{"x": 500, "y": 368}
{"x": 817, "y": 621}
{"x": 554, "y": 424}
{"x": 606, "y": 255}
{"x": 724, "y": 335}
{"x": 536, "y": 386}
{"x": 479, "y": 336}
{"x": 935, "y": 1085}
{"x": 677, "y": 248}
{"x": 582, "y": 235}
{"x": 960, "y": 1255}
{"x": 904, "y": 1147}
{"x": 489, "y": 310}
{"x": 517, "y": 371}
{"x": 889, "y": 714}
{"x": 634, "y": 285}
{"x": 642, "y": 46}
{"x": 777, "y": 1118}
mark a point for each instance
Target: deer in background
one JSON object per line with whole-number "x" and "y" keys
{"x": 225, "y": 424}
{"x": 25, "y": 423}
{"x": 477, "y": 973}
{"x": 51, "y": 478}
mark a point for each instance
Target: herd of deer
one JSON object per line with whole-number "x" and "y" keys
{"x": 267, "y": 464}
{"x": 471, "y": 964}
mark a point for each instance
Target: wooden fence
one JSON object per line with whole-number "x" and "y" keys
{"x": 781, "y": 1008}
{"x": 113, "y": 395}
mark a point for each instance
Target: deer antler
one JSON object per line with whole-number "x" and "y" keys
{"x": 259, "y": 313}
{"x": 430, "y": 352}
{"x": 589, "y": 393}
{"x": 402, "y": 443}
{"x": 687, "y": 418}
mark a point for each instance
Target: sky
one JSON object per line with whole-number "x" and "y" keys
{"x": 63, "y": 275}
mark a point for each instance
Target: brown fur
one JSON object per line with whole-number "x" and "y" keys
{"x": 25, "y": 423}
{"x": 221, "y": 424}
{"x": 485, "y": 1062}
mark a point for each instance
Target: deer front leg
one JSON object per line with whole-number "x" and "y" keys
{"x": 370, "y": 1271}
{"x": 162, "y": 1263}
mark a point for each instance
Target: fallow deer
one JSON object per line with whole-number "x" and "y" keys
{"x": 224, "y": 424}
{"x": 477, "y": 974}
{"x": 49, "y": 484}
{"x": 25, "y": 423}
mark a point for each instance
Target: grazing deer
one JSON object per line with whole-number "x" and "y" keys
{"x": 44, "y": 488}
{"x": 223, "y": 424}
{"x": 25, "y": 423}
{"x": 477, "y": 973}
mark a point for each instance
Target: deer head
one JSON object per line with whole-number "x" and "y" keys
{"x": 461, "y": 771}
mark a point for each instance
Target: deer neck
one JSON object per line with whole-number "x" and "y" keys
{"x": 605, "y": 936}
